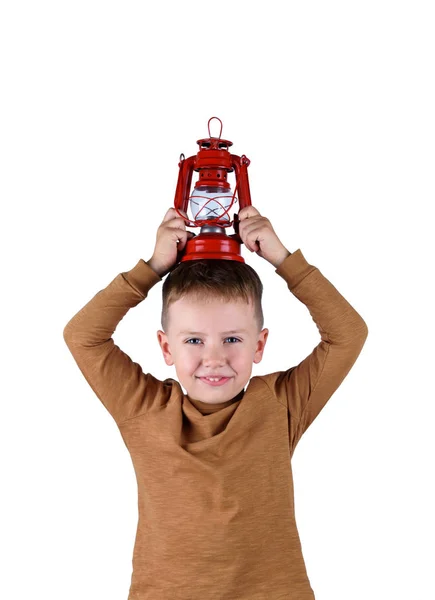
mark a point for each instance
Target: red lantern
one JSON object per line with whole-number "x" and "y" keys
{"x": 212, "y": 198}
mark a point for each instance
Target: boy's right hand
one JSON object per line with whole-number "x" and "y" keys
{"x": 171, "y": 240}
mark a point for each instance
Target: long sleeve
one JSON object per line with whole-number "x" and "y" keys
{"x": 117, "y": 381}
{"x": 306, "y": 388}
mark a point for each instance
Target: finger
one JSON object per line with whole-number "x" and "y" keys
{"x": 175, "y": 236}
{"x": 252, "y": 237}
{"x": 182, "y": 237}
{"x": 250, "y": 224}
{"x": 177, "y": 212}
{"x": 247, "y": 212}
{"x": 174, "y": 223}
{"x": 170, "y": 214}
{"x": 252, "y": 245}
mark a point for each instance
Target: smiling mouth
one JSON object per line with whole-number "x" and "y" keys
{"x": 214, "y": 381}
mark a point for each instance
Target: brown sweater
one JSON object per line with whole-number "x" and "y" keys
{"x": 216, "y": 503}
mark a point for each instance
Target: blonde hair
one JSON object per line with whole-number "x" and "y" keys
{"x": 206, "y": 279}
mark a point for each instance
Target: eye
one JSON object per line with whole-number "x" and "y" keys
{"x": 198, "y": 340}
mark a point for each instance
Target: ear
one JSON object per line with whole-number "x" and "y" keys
{"x": 164, "y": 345}
{"x": 261, "y": 343}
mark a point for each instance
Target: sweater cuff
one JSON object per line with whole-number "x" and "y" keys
{"x": 142, "y": 277}
{"x": 294, "y": 268}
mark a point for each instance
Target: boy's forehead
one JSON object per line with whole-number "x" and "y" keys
{"x": 193, "y": 316}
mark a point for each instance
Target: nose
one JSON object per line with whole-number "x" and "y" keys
{"x": 214, "y": 357}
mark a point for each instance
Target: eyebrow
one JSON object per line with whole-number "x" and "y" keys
{"x": 223, "y": 333}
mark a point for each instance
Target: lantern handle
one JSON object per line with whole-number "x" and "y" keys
{"x": 208, "y": 125}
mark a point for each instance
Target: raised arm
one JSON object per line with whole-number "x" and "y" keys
{"x": 306, "y": 388}
{"x": 117, "y": 381}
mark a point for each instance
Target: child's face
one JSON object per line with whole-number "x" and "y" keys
{"x": 212, "y": 350}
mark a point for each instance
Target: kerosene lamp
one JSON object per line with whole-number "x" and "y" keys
{"x": 212, "y": 198}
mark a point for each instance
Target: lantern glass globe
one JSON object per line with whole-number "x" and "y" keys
{"x": 210, "y": 202}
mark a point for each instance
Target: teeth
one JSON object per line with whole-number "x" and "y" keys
{"x": 214, "y": 378}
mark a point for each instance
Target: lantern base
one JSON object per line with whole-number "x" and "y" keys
{"x": 215, "y": 246}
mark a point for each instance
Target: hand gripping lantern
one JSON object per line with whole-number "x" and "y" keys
{"x": 212, "y": 198}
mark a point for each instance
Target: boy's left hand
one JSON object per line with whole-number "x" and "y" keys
{"x": 258, "y": 236}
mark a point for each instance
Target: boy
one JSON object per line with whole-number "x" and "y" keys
{"x": 213, "y": 466}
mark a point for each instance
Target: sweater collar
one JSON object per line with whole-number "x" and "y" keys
{"x": 207, "y": 408}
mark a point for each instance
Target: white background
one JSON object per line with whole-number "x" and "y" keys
{"x": 333, "y": 102}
